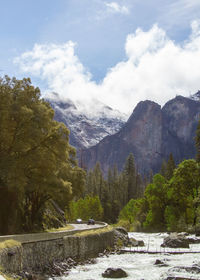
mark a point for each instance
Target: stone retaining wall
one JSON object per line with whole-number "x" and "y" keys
{"x": 34, "y": 256}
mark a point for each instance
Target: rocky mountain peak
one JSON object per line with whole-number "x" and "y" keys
{"x": 151, "y": 134}
{"x": 143, "y": 109}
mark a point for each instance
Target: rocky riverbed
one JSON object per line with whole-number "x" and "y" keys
{"x": 162, "y": 266}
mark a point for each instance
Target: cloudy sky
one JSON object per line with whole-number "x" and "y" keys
{"x": 118, "y": 52}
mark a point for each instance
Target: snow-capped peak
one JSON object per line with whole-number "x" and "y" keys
{"x": 88, "y": 122}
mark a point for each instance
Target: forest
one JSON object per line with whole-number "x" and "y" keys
{"x": 38, "y": 166}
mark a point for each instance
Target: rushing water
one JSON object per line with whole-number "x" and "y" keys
{"x": 141, "y": 266}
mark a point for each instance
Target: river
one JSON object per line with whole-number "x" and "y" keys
{"x": 141, "y": 266}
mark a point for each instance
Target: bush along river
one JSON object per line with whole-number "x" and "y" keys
{"x": 149, "y": 262}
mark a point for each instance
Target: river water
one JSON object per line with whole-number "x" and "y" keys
{"x": 141, "y": 266}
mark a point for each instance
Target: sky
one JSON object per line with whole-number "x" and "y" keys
{"x": 117, "y": 52}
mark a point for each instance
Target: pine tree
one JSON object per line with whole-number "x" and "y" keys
{"x": 163, "y": 170}
{"x": 197, "y": 139}
{"x": 130, "y": 177}
{"x": 170, "y": 167}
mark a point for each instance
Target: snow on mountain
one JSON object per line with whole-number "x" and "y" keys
{"x": 88, "y": 124}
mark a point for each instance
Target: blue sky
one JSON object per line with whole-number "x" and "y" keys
{"x": 99, "y": 31}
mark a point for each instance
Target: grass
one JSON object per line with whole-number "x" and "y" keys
{"x": 9, "y": 244}
{"x": 68, "y": 227}
{"x": 94, "y": 231}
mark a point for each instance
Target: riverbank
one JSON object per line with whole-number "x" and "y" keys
{"x": 144, "y": 266}
{"x": 46, "y": 257}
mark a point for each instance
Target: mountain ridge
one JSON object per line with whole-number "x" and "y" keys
{"x": 87, "y": 130}
{"x": 151, "y": 134}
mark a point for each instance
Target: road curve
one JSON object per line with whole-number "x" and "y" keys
{"x": 32, "y": 237}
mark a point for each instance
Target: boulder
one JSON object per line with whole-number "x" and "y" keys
{"x": 122, "y": 230}
{"x": 120, "y": 234}
{"x": 175, "y": 241}
{"x": 114, "y": 273}
{"x": 134, "y": 243}
{"x": 193, "y": 240}
{"x": 159, "y": 262}
{"x": 140, "y": 243}
{"x": 190, "y": 269}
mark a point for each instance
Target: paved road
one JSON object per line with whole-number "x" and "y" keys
{"x": 31, "y": 237}
{"x": 85, "y": 226}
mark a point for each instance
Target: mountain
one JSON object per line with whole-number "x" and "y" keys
{"x": 151, "y": 134}
{"x": 87, "y": 129}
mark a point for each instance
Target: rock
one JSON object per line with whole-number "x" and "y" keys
{"x": 122, "y": 230}
{"x": 114, "y": 273}
{"x": 28, "y": 275}
{"x": 190, "y": 269}
{"x": 183, "y": 234}
{"x": 175, "y": 241}
{"x": 134, "y": 243}
{"x": 158, "y": 262}
{"x": 140, "y": 243}
{"x": 85, "y": 129}
{"x": 151, "y": 131}
{"x": 194, "y": 240}
{"x": 121, "y": 236}
{"x": 178, "y": 278}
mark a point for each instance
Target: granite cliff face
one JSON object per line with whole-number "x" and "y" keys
{"x": 151, "y": 134}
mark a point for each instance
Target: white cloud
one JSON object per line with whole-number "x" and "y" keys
{"x": 114, "y": 7}
{"x": 156, "y": 68}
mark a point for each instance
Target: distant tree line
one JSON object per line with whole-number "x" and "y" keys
{"x": 112, "y": 191}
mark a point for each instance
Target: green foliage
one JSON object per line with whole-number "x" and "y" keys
{"x": 156, "y": 196}
{"x": 130, "y": 177}
{"x": 89, "y": 207}
{"x": 36, "y": 161}
{"x": 168, "y": 204}
{"x": 125, "y": 224}
{"x": 167, "y": 168}
{"x": 115, "y": 191}
{"x": 127, "y": 213}
{"x": 182, "y": 191}
{"x": 134, "y": 213}
{"x": 197, "y": 142}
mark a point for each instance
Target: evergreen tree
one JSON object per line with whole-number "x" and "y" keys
{"x": 170, "y": 167}
{"x": 197, "y": 140}
{"x": 130, "y": 177}
{"x": 182, "y": 190}
{"x": 156, "y": 196}
{"x": 163, "y": 170}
